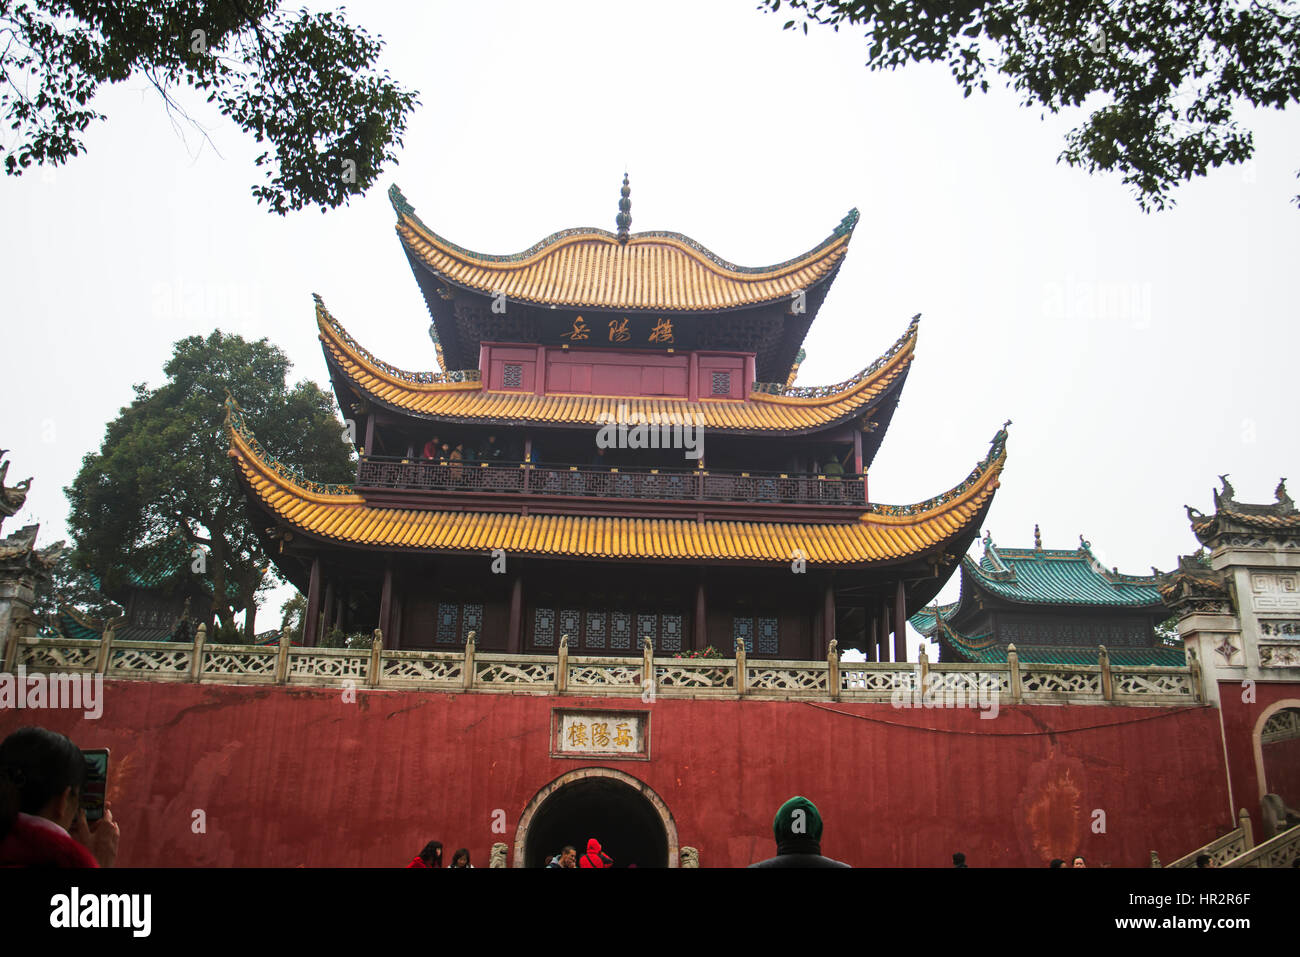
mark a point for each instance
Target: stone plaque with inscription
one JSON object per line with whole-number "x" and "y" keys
{"x": 600, "y": 734}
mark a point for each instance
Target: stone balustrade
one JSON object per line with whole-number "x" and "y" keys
{"x": 905, "y": 684}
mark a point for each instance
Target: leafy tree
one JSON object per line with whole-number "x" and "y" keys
{"x": 1169, "y": 75}
{"x": 161, "y": 491}
{"x": 293, "y": 613}
{"x": 71, "y": 585}
{"x": 303, "y": 83}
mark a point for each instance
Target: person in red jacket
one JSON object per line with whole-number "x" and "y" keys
{"x": 431, "y": 856}
{"x": 595, "y": 857}
{"x": 41, "y": 776}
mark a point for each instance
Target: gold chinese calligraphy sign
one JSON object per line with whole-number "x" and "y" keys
{"x": 609, "y": 735}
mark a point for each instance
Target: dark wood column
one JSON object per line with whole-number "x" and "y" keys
{"x": 370, "y": 434}
{"x": 857, "y": 451}
{"x": 386, "y": 607}
{"x": 882, "y": 634}
{"x": 311, "y": 621}
{"x": 900, "y": 623}
{"x": 515, "y": 636}
{"x": 327, "y": 610}
{"x": 828, "y": 618}
{"x": 700, "y": 633}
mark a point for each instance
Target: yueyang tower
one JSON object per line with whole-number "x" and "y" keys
{"x": 488, "y": 498}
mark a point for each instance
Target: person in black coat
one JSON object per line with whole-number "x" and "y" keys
{"x": 798, "y": 831}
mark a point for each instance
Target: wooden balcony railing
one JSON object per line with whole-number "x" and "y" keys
{"x": 684, "y": 485}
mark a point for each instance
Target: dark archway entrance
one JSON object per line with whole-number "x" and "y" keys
{"x": 630, "y": 821}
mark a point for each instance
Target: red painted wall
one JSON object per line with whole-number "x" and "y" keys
{"x": 1239, "y": 721}
{"x": 299, "y": 777}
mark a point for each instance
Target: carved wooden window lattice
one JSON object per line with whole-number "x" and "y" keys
{"x": 722, "y": 383}
{"x": 456, "y": 621}
{"x": 595, "y": 629}
{"x": 620, "y": 629}
{"x": 670, "y": 633}
{"x": 762, "y": 632}
{"x": 513, "y": 377}
{"x": 742, "y": 631}
{"x": 544, "y": 627}
{"x": 571, "y": 624}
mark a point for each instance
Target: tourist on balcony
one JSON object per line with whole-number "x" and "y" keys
{"x": 42, "y": 823}
{"x": 599, "y": 459}
{"x": 798, "y": 831}
{"x": 431, "y": 449}
{"x": 456, "y": 456}
{"x": 490, "y": 451}
{"x": 444, "y": 453}
{"x": 430, "y": 856}
{"x": 461, "y": 859}
{"x": 595, "y": 857}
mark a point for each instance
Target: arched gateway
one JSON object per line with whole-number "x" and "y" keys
{"x": 630, "y": 820}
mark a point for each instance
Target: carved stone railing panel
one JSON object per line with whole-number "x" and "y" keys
{"x": 1132, "y": 680}
{"x": 788, "y": 678}
{"x": 608, "y": 674}
{"x": 696, "y": 674}
{"x": 57, "y": 654}
{"x": 253, "y": 664}
{"x": 509, "y": 670}
{"x": 415, "y": 668}
{"x": 1278, "y": 851}
{"x": 150, "y": 659}
{"x": 328, "y": 664}
{"x": 875, "y": 682}
{"x": 972, "y": 681}
{"x": 1221, "y": 850}
{"x": 1060, "y": 680}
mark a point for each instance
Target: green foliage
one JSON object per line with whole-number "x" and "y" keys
{"x": 337, "y": 638}
{"x": 293, "y": 613}
{"x": 303, "y": 83}
{"x": 161, "y": 491}
{"x": 1167, "y": 631}
{"x": 70, "y": 585}
{"x": 1169, "y": 76}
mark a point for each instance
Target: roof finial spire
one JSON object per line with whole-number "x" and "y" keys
{"x": 1038, "y": 538}
{"x": 624, "y": 217}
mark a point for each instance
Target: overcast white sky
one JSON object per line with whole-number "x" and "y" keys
{"x": 1138, "y": 356}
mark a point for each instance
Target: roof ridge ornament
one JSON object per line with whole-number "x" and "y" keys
{"x": 624, "y": 218}
{"x": 1283, "y": 499}
{"x": 1038, "y": 538}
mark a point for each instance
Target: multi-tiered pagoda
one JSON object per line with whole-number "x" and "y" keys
{"x": 616, "y": 452}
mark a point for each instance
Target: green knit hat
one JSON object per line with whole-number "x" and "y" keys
{"x": 798, "y": 819}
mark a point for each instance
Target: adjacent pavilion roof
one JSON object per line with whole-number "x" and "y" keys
{"x": 460, "y": 397}
{"x": 337, "y": 513}
{"x": 594, "y": 268}
{"x": 1043, "y": 577}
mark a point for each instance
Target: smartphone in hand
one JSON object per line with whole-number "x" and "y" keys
{"x": 95, "y": 789}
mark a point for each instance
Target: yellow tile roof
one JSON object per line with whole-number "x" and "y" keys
{"x": 469, "y": 401}
{"x": 882, "y": 533}
{"x": 591, "y": 268}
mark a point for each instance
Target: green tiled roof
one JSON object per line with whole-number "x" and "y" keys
{"x": 1056, "y": 577}
{"x": 1064, "y": 655}
{"x": 71, "y": 626}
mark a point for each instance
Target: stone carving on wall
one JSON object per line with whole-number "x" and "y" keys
{"x": 1275, "y": 591}
{"x": 1276, "y": 655}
